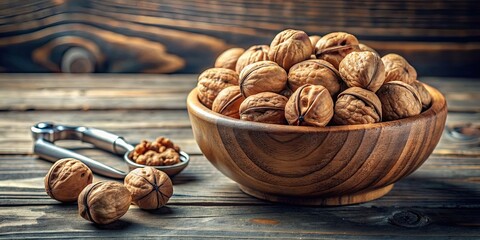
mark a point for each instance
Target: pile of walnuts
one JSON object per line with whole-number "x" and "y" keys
{"x": 103, "y": 202}
{"x": 315, "y": 81}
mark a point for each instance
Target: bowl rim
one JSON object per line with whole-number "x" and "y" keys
{"x": 194, "y": 105}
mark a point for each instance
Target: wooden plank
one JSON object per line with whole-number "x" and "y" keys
{"x": 439, "y": 37}
{"x": 151, "y": 92}
{"x": 441, "y": 182}
{"x": 15, "y": 136}
{"x": 440, "y": 199}
{"x": 240, "y": 222}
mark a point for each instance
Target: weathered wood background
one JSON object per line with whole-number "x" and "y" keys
{"x": 441, "y": 200}
{"x": 440, "y": 38}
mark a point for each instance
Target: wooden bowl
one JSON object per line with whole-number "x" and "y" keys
{"x": 334, "y": 165}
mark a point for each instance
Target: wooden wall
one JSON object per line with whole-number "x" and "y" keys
{"x": 440, "y": 38}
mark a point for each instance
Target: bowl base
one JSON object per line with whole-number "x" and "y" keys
{"x": 359, "y": 197}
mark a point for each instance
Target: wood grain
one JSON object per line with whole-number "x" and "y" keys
{"x": 336, "y": 165}
{"x": 440, "y": 200}
{"x": 439, "y": 38}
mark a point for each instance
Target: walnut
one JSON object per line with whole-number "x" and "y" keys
{"x": 253, "y": 54}
{"x": 363, "y": 69}
{"x": 364, "y": 47}
{"x": 104, "y": 202}
{"x": 398, "y": 69}
{"x": 161, "y": 152}
{"x": 399, "y": 100}
{"x": 316, "y": 72}
{"x": 228, "y": 59}
{"x": 314, "y": 39}
{"x": 266, "y": 107}
{"x": 309, "y": 105}
{"x": 287, "y": 92}
{"x": 263, "y": 76}
{"x": 357, "y": 106}
{"x": 333, "y": 47}
{"x": 212, "y": 81}
{"x": 424, "y": 94}
{"x": 150, "y": 188}
{"x": 228, "y": 102}
{"x": 290, "y": 47}
{"x": 66, "y": 179}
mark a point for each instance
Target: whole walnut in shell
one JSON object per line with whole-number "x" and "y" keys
{"x": 290, "y": 47}
{"x": 66, "y": 179}
{"x": 334, "y": 46}
{"x": 104, "y": 202}
{"x": 253, "y": 54}
{"x": 314, "y": 39}
{"x": 228, "y": 102}
{"x": 212, "y": 81}
{"x": 357, "y": 106}
{"x": 424, "y": 94}
{"x": 399, "y": 100}
{"x": 266, "y": 107}
{"x": 309, "y": 105}
{"x": 398, "y": 69}
{"x": 316, "y": 72}
{"x": 150, "y": 188}
{"x": 229, "y": 58}
{"x": 263, "y": 76}
{"x": 363, "y": 69}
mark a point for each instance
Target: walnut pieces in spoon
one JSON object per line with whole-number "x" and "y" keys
{"x": 161, "y": 152}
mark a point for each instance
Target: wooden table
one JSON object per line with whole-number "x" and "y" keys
{"x": 440, "y": 199}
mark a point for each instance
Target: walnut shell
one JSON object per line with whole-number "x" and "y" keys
{"x": 424, "y": 94}
{"x": 263, "y": 76}
{"x": 357, "y": 106}
{"x": 398, "y": 69}
{"x": 316, "y": 72}
{"x": 314, "y": 39}
{"x": 399, "y": 100}
{"x": 253, "y": 54}
{"x": 228, "y": 102}
{"x": 66, "y": 179}
{"x": 364, "y": 47}
{"x": 266, "y": 107}
{"x": 309, "y": 105}
{"x": 150, "y": 188}
{"x": 363, "y": 69}
{"x": 212, "y": 81}
{"x": 334, "y": 46}
{"x": 290, "y": 47}
{"x": 104, "y": 202}
{"x": 229, "y": 58}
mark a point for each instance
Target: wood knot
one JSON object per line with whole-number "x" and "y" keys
{"x": 78, "y": 60}
{"x": 408, "y": 219}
